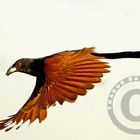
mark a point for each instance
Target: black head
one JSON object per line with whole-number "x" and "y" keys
{"x": 28, "y": 66}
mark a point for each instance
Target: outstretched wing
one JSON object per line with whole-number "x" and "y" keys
{"x": 67, "y": 75}
{"x": 34, "y": 108}
{"x": 71, "y": 73}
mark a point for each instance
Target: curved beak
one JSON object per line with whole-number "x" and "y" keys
{"x": 11, "y": 70}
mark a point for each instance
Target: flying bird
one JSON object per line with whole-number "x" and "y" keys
{"x": 59, "y": 77}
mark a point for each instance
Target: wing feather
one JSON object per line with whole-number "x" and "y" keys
{"x": 31, "y": 110}
{"x": 69, "y": 96}
{"x": 83, "y": 79}
{"x": 73, "y": 72}
{"x": 79, "y": 91}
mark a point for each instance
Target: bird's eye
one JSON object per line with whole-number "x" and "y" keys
{"x": 18, "y": 65}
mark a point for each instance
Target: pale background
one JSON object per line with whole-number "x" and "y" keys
{"x": 34, "y": 28}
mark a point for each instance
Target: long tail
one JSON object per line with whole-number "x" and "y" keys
{"x": 118, "y": 55}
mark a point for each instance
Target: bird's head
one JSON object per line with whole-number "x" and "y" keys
{"x": 22, "y": 65}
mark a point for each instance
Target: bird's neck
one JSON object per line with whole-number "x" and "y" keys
{"x": 37, "y": 68}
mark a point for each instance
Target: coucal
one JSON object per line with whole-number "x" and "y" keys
{"x": 59, "y": 77}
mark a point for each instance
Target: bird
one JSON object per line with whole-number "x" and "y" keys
{"x": 60, "y": 77}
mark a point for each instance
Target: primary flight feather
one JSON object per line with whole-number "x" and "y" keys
{"x": 59, "y": 77}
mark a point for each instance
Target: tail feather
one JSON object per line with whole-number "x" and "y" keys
{"x": 118, "y": 55}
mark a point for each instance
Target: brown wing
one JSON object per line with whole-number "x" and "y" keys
{"x": 34, "y": 108}
{"x": 68, "y": 74}
{"x": 71, "y": 73}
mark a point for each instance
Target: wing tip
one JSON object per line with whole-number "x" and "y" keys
{"x": 4, "y": 124}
